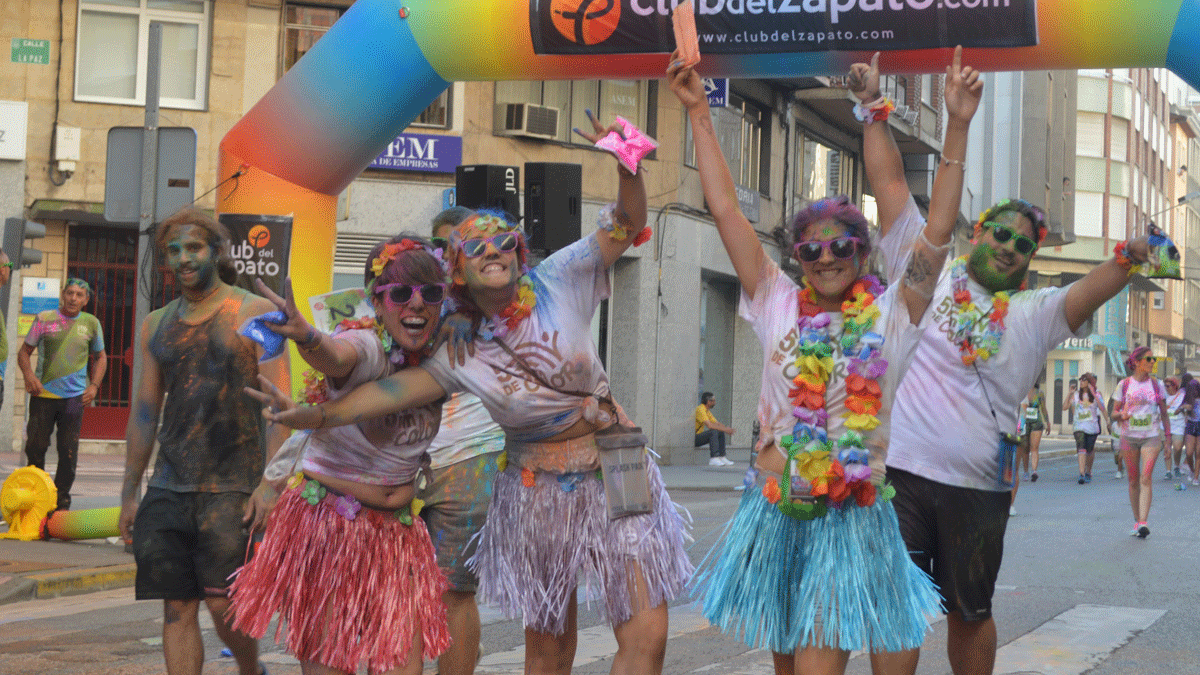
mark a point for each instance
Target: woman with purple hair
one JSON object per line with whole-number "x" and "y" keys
{"x": 1139, "y": 399}
{"x": 812, "y": 565}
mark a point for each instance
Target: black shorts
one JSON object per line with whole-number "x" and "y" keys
{"x": 1085, "y": 442}
{"x": 956, "y": 535}
{"x": 186, "y": 544}
{"x": 1191, "y": 428}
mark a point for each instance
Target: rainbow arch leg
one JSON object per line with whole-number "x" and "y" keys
{"x": 380, "y": 65}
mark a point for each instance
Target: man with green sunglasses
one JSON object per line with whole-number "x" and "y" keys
{"x": 984, "y": 345}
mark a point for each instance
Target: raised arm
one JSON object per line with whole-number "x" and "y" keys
{"x": 881, "y": 156}
{"x": 963, "y": 91}
{"x": 738, "y": 235}
{"x": 630, "y": 216}
{"x": 1069, "y": 398}
{"x": 322, "y": 352}
{"x": 1086, "y": 296}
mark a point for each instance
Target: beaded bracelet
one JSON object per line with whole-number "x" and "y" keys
{"x": 312, "y": 341}
{"x": 1123, "y": 260}
{"x": 875, "y": 111}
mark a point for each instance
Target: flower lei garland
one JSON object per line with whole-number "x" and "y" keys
{"x": 815, "y": 476}
{"x": 346, "y": 506}
{"x": 512, "y": 316}
{"x": 974, "y": 342}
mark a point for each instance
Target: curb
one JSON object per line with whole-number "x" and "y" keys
{"x": 68, "y": 582}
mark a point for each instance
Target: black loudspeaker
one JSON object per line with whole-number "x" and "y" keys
{"x": 488, "y": 186}
{"x": 552, "y": 200}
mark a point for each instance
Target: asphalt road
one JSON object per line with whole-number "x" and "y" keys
{"x": 1076, "y": 595}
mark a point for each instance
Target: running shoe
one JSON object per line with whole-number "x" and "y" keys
{"x": 1134, "y": 531}
{"x": 1025, "y": 476}
{"x": 1178, "y": 473}
{"x": 1195, "y": 481}
{"x": 1087, "y": 477}
{"x": 1118, "y": 474}
{"x": 1143, "y": 531}
{"x": 1169, "y": 475}
{"x": 1082, "y": 480}
{"x": 1033, "y": 477}
{"x": 1012, "y": 510}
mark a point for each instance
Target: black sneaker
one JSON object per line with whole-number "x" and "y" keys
{"x": 1033, "y": 477}
{"x": 1143, "y": 531}
{"x": 1081, "y": 479}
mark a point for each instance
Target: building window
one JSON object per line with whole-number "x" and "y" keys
{"x": 606, "y": 98}
{"x": 744, "y": 133}
{"x": 112, "y": 44}
{"x": 437, "y": 115}
{"x": 305, "y": 24}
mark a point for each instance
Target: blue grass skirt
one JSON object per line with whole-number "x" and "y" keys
{"x": 843, "y": 581}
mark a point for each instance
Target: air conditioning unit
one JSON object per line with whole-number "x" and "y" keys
{"x": 525, "y": 119}
{"x": 1158, "y": 300}
{"x": 1189, "y": 351}
{"x": 910, "y": 116}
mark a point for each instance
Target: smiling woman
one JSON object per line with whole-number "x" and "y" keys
{"x": 345, "y": 517}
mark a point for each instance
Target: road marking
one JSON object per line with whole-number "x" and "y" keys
{"x": 1075, "y": 641}
{"x": 67, "y": 605}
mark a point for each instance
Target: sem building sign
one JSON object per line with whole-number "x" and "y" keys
{"x": 421, "y": 152}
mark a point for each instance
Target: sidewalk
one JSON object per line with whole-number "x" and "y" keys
{"x": 44, "y": 569}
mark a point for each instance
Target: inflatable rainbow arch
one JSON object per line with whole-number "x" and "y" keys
{"x": 380, "y": 65}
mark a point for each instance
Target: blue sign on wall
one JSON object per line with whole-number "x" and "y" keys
{"x": 1111, "y": 320}
{"x": 421, "y": 152}
{"x": 717, "y": 89}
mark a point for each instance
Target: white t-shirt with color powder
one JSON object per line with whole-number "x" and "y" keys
{"x": 942, "y": 424}
{"x": 381, "y": 451}
{"x": 774, "y": 312}
{"x": 555, "y": 341}
{"x": 1140, "y": 401}
{"x": 467, "y": 431}
{"x": 1176, "y": 413}
{"x": 1087, "y": 414}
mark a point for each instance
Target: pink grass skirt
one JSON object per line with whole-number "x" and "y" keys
{"x": 351, "y": 591}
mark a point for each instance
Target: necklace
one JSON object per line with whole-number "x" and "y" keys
{"x": 973, "y": 340}
{"x": 821, "y": 473}
{"x": 510, "y": 317}
{"x": 190, "y": 306}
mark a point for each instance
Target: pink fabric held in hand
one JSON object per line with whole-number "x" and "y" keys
{"x": 683, "y": 21}
{"x": 632, "y": 149}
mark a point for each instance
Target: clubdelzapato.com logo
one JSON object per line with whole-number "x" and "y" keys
{"x": 586, "y": 22}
